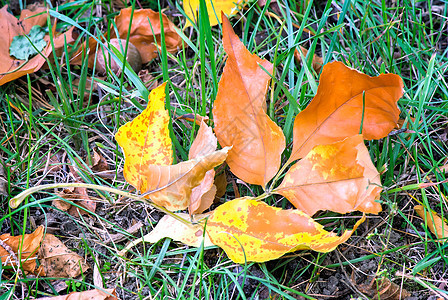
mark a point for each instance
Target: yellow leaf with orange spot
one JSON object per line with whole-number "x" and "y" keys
{"x": 214, "y": 8}
{"x": 250, "y": 230}
{"x": 339, "y": 177}
{"x": 146, "y": 140}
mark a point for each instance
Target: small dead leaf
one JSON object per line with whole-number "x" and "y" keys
{"x": 3, "y": 182}
{"x": 317, "y": 61}
{"x": 336, "y": 111}
{"x": 339, "y": 177}
{"x": 58, "y": 260}
{"x": 435, "y": 223}
{"x": 30, "y": 247}
{"x": 99, "y": 163}
{"x": 382, "y": 289}
{"x": 146, "y": 139}
{"x": 221, "y": 184}
{"x": 250, "y": 230}
{"x": 172, "y": 185}
{"x": 148, "y": 80}
{"x": 11, "y": 68}
{"x": 80, "y": 197}
{"x": 214, "y": 9}
{"x": 240, "y": 117}
{"x": 107, "y": 294}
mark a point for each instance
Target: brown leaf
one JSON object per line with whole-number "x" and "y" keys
{"x": 99, "y": 163}
{"x": 30, "y": 246}
{"x": 337, "y": 109}
{"x": 58, "y": 260}
{"x": 239, "y": 114}
{"x": 435, "y": 223}
{"x": 11, "y": 68}
{"x": 107, "y": 294}
{"x": 172, "y": 185}
{"x": 317, "y": 61}
{"x": 382, "y": 289}
{"x": 339, "y": 177}
{"x": 79, "y": 196}
{"x": 221, "y": 184}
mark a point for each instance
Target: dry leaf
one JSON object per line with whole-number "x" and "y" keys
{"x": 317, "y": 61}
{"x": 107, "y": 294}
{"x": 339, "y": 177}
{"x": 214, "y": 9}
{"x": 11, "y": 68}
{"x": 146, "y": 139}
{"x": 434, "y": 222}
{"x": 30, "y": 246}
{"x": 203, "y": 195}
{"x": 58, "y": 260}
{"x": 99, "y": 163}
{"x": 172, "y": 185}
{"x": 250, "y": 230}
{"x": 337, "y": 109}
{"x": 382, "y": 289}
{"x": 221, "y": 184}
{"x": 79, "y": 196}
{"x": 239, "y": 114}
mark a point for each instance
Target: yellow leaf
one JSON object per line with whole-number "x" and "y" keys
{"x": 171, "y": 186}
{"x": 435, "y": 222}
{"x": 214, "y": 8}
{"x": 146, "y": 140}
{"x": 339, "y": 177}
{"x": 250, "y": 230}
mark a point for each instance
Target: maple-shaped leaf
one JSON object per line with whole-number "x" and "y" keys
{"x": 29, "y": 246}
{"x": 240, "y": 117}
{"x": 171, "y": 186}
{"x": 346, "y": 99}
{"x": 146, "y": 139}
{"x": 11, "y": 68}
{"x": 203, "y": 195}
{"x": 214, "y": 9}
{"x": 339, "y": 177}
{"x": 250, "y": 230}
{"x": 435, "y": 223}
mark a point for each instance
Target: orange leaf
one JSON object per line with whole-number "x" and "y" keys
{"x": 250, "y": 230}
{"x": 434, "y": 221}
{"x": 58, "y": 261}
{"x": 239, "y": 114}
{"x": 11, "y": 68}
{"x": 107, "y": 294}
{"x": 203, "y": 195}
{"x": 336, "y": 111}
{"x": 146, "y": 139}
{"x": 171, "y": 186}
{"x": 146, "y": 30}
{"x": 339, "y": 177}
{"x": 29, "y": 244}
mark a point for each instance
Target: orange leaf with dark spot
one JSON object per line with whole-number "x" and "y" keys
{"x": 240, "y": 117}
{"x": 339, "y": 177}
{"x": 250, "y": 230}
{"x": 337, "y": 109}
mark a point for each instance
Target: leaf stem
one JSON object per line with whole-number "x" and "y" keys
{"x": 15, "y": 201}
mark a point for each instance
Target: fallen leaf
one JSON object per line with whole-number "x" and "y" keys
{"x": 11, "y": 68}
{"x": 99, "y": 163}
{"x": 214, "y": 9}
{"x": 250, "y": 230}
{"x": 107, "y": 294}
{"x": 58, "y": 261}
{"x": 77, "y": 195}
{"x": 382, "y": 289}
{"x": 203, "y": 195}
{"x": 433, "y": 221}
{"x": 23, "y": 47}
{"x": 240, "y": 117}
{"x": 317, "y": 61}
{"x": 146, "y": 139}
{"x": 171, "y": 186}
{"x": 339, "y": 177}
{"x": 221, "y": 184}
{"x": 337, "y": 109}
{"x": 29, "y": 244}
{"x": 3, "y": 182}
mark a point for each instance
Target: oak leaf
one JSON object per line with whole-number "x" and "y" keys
{"x": 240, "y": 117}
{"x": 336, "y": 112}
{"x": 250, "y": 230}
{"x": 171, "y": 186}
{"x": 29, "y": 245}
{"x": 339, "y": 177}
{"x": 435, "y": 223}
{"x": 146, "y": 140}
{"x": 214, "y": 9}
{"x": 11, "y": 68}
{"x": 203, "y": 195}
